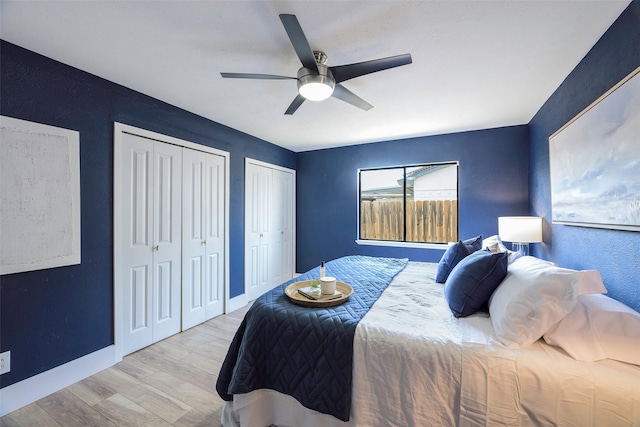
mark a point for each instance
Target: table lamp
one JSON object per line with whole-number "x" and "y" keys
{"x": 520, "y": 231}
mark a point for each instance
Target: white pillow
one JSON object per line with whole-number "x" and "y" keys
{"x": 533, "y": 297}
{"x": 588, "y": 281}
{"x": 494, "y": 244}
{"x": 598, "y": 328}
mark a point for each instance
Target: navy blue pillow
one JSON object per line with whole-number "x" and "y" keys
{"x": 473, "y": 244}
{"x": 473, "y": 280}
{"x": 454, "y": 254}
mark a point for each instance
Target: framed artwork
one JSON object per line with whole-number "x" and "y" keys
{"x": 39, "y": 196}
{"x": 594, "y": 161}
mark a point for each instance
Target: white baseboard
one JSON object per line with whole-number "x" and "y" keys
{"x": 235, "y": 303}
{"x": 34, "y": 388}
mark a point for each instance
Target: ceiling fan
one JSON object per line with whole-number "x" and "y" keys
{"x": 317, "y": 81}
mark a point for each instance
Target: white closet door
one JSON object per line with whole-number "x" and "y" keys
{"x": 252, "y": 231}
{"x": 137, "y": 242}
{"x": 269, "y": 226}
{"x": 265, "y": 197}
{"x": 193, "y": 239}
{"x": 152, "y": 241}
{"x": 214, "y": 234}
{"x": 202, "y": 237}
{"x": 282, "y": 219}
{"x": 257, "y": 230}
{"x": 170, "y": 238}
{"x": 287, "y": 228}
{"x": 167, "y": 226}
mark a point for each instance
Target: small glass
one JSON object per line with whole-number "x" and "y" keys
{"x": 315, "y": 287}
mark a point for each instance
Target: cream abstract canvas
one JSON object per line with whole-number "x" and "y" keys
{"x": 595, "y": 162}
{"x": 39, "y": 196}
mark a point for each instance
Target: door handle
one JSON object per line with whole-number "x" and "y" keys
{"x": 156, "y": 248}
{"x": 204, "y": 242}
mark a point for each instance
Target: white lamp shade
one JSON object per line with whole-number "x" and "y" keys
{"x": 520, "y": 229}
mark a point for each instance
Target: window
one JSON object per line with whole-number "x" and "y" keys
{"x": 416, "y": 204}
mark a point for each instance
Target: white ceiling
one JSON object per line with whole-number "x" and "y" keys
{"x": 476, "y": 64}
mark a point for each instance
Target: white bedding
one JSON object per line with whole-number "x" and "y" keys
{"x": 417, "y": 365}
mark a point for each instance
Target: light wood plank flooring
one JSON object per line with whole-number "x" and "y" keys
{"x": 170, "y": 383}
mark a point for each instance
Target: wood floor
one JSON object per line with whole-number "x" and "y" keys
{"x": 171, "y": 383}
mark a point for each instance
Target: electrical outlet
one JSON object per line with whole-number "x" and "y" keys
{"x": 5, "y": 362}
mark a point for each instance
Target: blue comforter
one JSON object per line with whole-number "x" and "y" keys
{"x": 306, "y": 352}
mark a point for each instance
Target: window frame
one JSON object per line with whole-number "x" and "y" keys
{"x": 404, "y": 242}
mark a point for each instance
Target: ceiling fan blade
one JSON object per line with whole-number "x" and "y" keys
{"x": 299, "y": 41}
{"x": 344, "y": 94}
{"x": 342, "y": 73}
{"x": 255, "y": 76}
{"x": 297, "y": 102}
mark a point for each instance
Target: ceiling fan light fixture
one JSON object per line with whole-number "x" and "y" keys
{"x": 315, "y": 91}
{"x": 315, "y": 86}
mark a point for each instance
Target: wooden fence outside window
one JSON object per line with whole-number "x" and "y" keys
{"x": 431, "y": 221}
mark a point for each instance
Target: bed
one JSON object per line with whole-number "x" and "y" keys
{"x": 413, "y": 362}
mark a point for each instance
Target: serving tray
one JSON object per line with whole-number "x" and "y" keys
{"x": 296, "y": 297}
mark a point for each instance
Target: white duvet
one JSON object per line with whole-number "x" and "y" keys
{"x": 417, "y": 365}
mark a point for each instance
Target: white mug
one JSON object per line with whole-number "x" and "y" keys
{"x": 328, "y": 285}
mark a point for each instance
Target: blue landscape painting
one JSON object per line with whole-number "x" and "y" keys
{"x": 595, "y": 163}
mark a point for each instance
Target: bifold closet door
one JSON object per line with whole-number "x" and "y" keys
{"x": 152, "y": 239}
{"x": 258, "y": 226}
{"x": 202, "y": 237}
{"x": 269, "y": 227}
{"x": 282, "y": 218}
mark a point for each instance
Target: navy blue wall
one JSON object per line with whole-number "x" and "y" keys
{"x": 50, "y": 317}
{"x": 493, "y": 181}
{"x": 614, "y": 253}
